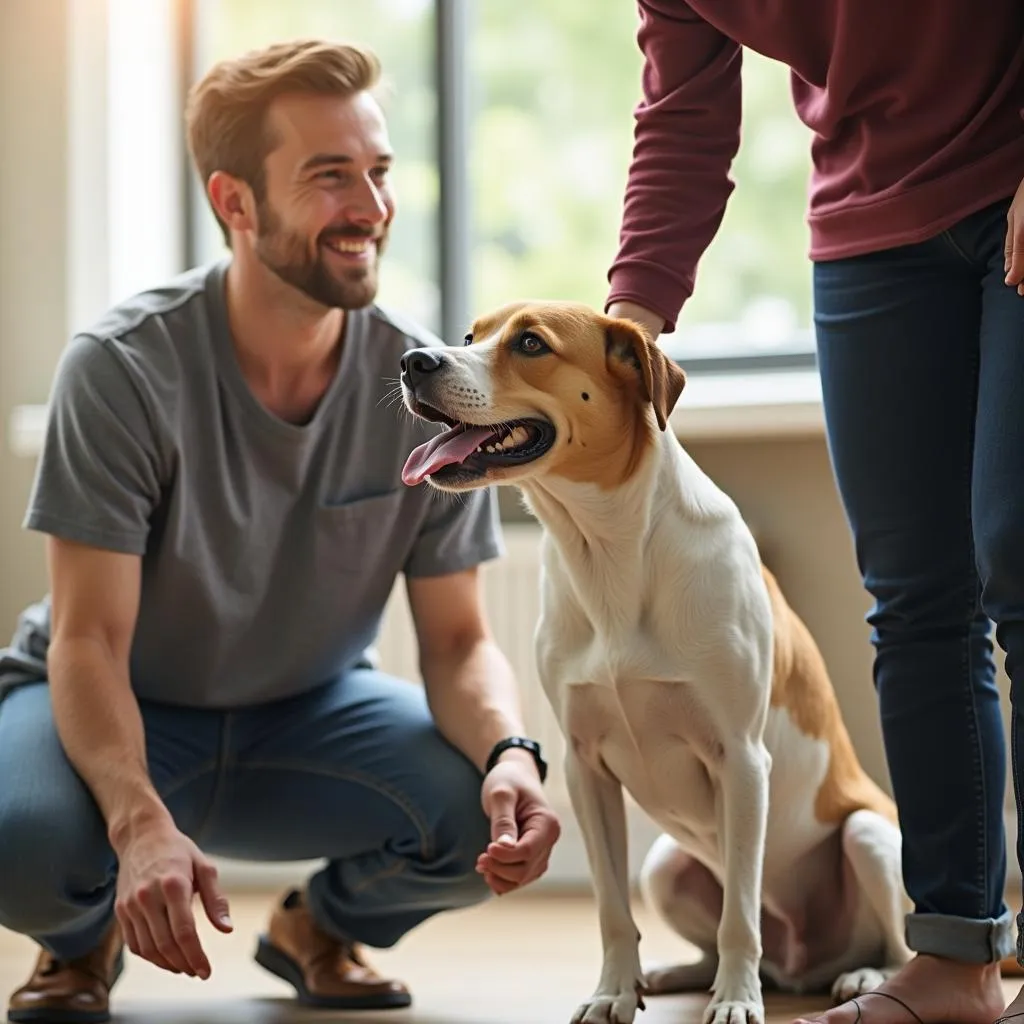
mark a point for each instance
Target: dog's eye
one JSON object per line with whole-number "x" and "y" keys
{"x": 529, "y": 344}
{"x": 468, "y": 340}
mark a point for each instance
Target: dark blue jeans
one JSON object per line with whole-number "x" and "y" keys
{"x": 921, "y": 352}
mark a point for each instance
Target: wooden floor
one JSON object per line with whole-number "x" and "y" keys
{"x": 524, "y": 959}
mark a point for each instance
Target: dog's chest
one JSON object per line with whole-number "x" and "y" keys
{"x": 656, "y": 739}
{"x": 577, "y": 644}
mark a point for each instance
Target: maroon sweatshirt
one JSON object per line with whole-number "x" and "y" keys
{"x": 915, "y": 108}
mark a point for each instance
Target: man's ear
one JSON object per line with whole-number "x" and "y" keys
{"x": 231, "y": 200}
{"x": 662, "y": 379}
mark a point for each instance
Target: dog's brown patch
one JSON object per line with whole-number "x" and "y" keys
{"x": 801, "y": 684}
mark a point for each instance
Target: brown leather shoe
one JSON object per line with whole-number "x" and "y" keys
{"x": 323, "y": 971}
{"x": 71, "y": 991}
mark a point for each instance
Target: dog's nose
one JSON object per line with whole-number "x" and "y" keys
{"x": 420, "y": 362}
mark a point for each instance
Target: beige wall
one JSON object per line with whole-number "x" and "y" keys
{"x": 33, "y": 256}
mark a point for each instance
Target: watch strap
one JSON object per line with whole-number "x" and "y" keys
{"x": 519, "y": 743}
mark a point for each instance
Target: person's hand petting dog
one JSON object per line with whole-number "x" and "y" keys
{"x": 524, "y": 828}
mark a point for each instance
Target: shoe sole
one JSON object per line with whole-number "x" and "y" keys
{"x": 271, "y": 959}
{"x": 42, "y": 1015}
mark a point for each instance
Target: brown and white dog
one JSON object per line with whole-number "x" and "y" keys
{"x": 676, "y": 668}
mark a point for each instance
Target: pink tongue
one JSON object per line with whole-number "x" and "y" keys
{"x": 450, "y": 447}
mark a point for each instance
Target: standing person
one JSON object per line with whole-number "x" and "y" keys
{"x": 917, "y": 242}
{"x": 221, "y": 490}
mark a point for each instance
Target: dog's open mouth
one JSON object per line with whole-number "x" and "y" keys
{"x": 466, "y": 448}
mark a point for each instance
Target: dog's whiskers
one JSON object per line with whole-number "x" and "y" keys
{"x": 393, "y": 394}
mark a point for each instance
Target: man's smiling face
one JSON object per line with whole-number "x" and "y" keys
{"x": 327, "y": 207}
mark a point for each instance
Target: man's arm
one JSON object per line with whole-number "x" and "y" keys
{"x": 472, "y": 695}
{"x": 469, "y": 683}
{"x": 95, "y": 597}
{"x": 686, "y": 136}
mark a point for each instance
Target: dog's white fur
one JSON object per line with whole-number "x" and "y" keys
{"x": 679, "y": 674}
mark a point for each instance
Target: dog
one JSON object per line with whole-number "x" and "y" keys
{"x": 676, "y": 669}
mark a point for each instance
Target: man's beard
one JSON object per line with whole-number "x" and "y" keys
{"x": 286, "y": 254}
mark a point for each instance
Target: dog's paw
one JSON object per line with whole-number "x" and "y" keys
{"x": 737, "y": 995}
{"x": 610, "y": 1008}
{"x": 734, "y": 1011}
{"x": 692, "y": 977}
{"x": 857, "y": 983}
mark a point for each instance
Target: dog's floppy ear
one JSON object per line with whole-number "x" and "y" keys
{"x": 662, "y": 379}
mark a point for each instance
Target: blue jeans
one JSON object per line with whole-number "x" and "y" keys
{"x": 921, "y": 352}
{"x": 354, "y": 773}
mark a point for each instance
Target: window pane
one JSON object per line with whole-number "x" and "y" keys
{"x": 402, "y": 34}
{"x": 552, "y": 138}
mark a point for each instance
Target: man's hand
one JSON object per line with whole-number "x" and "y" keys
{"x": 1013, "y": 264}
{"x": 524, "y": 828}
{"x": 650, "y": 322}
{"x": 160, "y": 872}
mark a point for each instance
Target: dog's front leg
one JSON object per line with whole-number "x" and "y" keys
{"x": 600, "y": 810}
{"x": 743, "y": 821}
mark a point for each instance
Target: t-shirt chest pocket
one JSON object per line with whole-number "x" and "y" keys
{"x": 363, "y": 535}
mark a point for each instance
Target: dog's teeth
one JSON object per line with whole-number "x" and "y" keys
{"x": 491, "y": 448}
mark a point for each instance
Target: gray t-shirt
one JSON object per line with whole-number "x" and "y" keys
{"x": 268, "y": 549}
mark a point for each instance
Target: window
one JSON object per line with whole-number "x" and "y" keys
{"x": 547, "y": 92}
{"x": 752, "y": 301}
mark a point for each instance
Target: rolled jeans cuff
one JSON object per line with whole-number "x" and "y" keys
{"x": 969, "y": 940}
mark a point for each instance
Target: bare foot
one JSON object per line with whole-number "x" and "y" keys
{"x": 1014, "y": 1013}
{"x": 934, "y": 989}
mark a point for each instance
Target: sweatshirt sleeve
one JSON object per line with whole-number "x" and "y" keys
{"x": 686, "y": 135}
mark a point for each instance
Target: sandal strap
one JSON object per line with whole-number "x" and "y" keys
{"x": 888, "y": 995}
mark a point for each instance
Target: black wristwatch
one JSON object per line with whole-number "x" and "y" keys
{"x": 522, "y": 743}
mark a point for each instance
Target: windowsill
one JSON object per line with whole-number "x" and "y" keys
{"x": 761, "y": 405}
{"x": 713, "y": 407}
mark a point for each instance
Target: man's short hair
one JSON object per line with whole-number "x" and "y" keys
{"x": 226, "y": 110}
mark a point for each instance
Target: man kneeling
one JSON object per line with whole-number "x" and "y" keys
{"x": 221, "y": 489}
